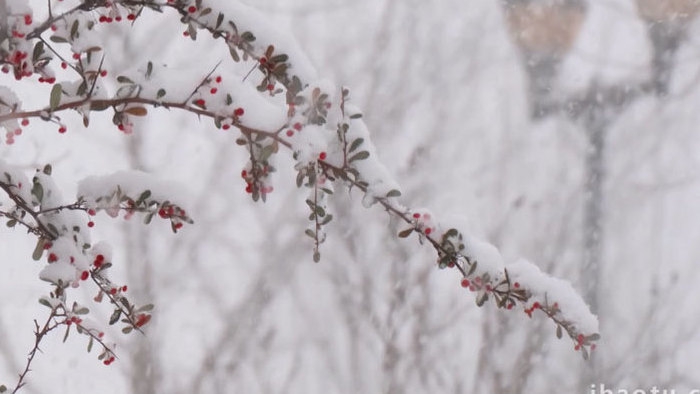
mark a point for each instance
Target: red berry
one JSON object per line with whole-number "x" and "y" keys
{"x": 118, "y": 18}
{"x": 91, "y": 212}
{"x": 199, "y": 102}
{"x": 113, "y": 291}
{"x": 218, "y": 79}
{"x": 191, "y": 9}
{"x": 76, "y": 56}
{"x": 535, "y": 305}
{"x": 427, "y": 231}
{"x": 263, "y": 60}
{"x": 52, "y": 257}
{"x": 225, "y": 126}
{"x": 212, "y": 90}
{"x": 516, "y": 285}
{"x": 131, "y": 17}
{"x": 465, "y": 282}
{"x": 416, "y": 215}
{"x": 27, "y": 19}
{"x": 64, "y": 65}
{"x": 62, "y": 129}
{"x": 322, "y": 156}
{"x": 25, "y": 122}
{"x": 102, "y": 18}
{"x": 290, "y": 133}
{"x": 84, "y": 275}
{"x": 297, "y": 126}
{"x": 47, "y": 245}
{"x": 270, "y": 86}
{"x": 238, "y": 111}
{"x": 244, "y": 173}
{"x": 103, "y": 73}
{"x": 91, "y": 224}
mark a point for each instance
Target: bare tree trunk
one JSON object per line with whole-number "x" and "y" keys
{"x": 4, "y": 25}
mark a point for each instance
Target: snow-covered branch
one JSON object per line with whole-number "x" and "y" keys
{"x": 279, "y": 103}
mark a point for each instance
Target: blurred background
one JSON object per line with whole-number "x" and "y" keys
{"x": 562, "y": 131}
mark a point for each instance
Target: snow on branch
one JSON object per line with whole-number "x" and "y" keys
{"x": 280, "y": 104}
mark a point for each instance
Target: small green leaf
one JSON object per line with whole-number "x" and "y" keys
{"x": 81, "y": 311}
{"x": 161, "y": 93}
{"x": 267, "y": 151}
{"x": 74, "y": 30}
{"x": 58, "y": 39}
{"x": 320, "y": 211}
{"x": 38, "y": 249}
{"x": 38, "y": 50}
{"x": 65, "y": 336}
{"x": 393, "y": 193}
{"x": 281, "y": 58}
{"x": 11, "y": 223}
{"x": 38, "y": 191}
{"x": 310, "y": 233}
{"x": 89, "y": 347}
{"x": 317, "y": 257}
{"x": 356, "y": 144}
{"x": 593, "y": 337}
{"x": 55, "y": 98}
{"x": 145, "y": 308}
{"x": 123, "y": 79}
{"x": 248, "y": 36}
{"x": 127, "y": 329}
{"x": 115, "y": 316}
{"x": 47, "y": 169}
{"x": 219, "y": 20}
{"x": 52, "y": 228}
{"x": 149, "y": 69}
{"x": 356, "y": 116}
{"x": 481, "y": 299}
{"x": 2, "y": 388}
{"x": 559, "y": 333}
{"x": 146, "y": 193}
{"x": 359, "y": 156}
{"x": 45, "y": 302}
{"x": 405, "y": 233}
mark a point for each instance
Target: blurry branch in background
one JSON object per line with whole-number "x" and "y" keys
{"x": 598, "y": 106}
{"x": 544, "y": 31}
{"x": 4, "y": 21}
{"x": 666, "y": 22}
